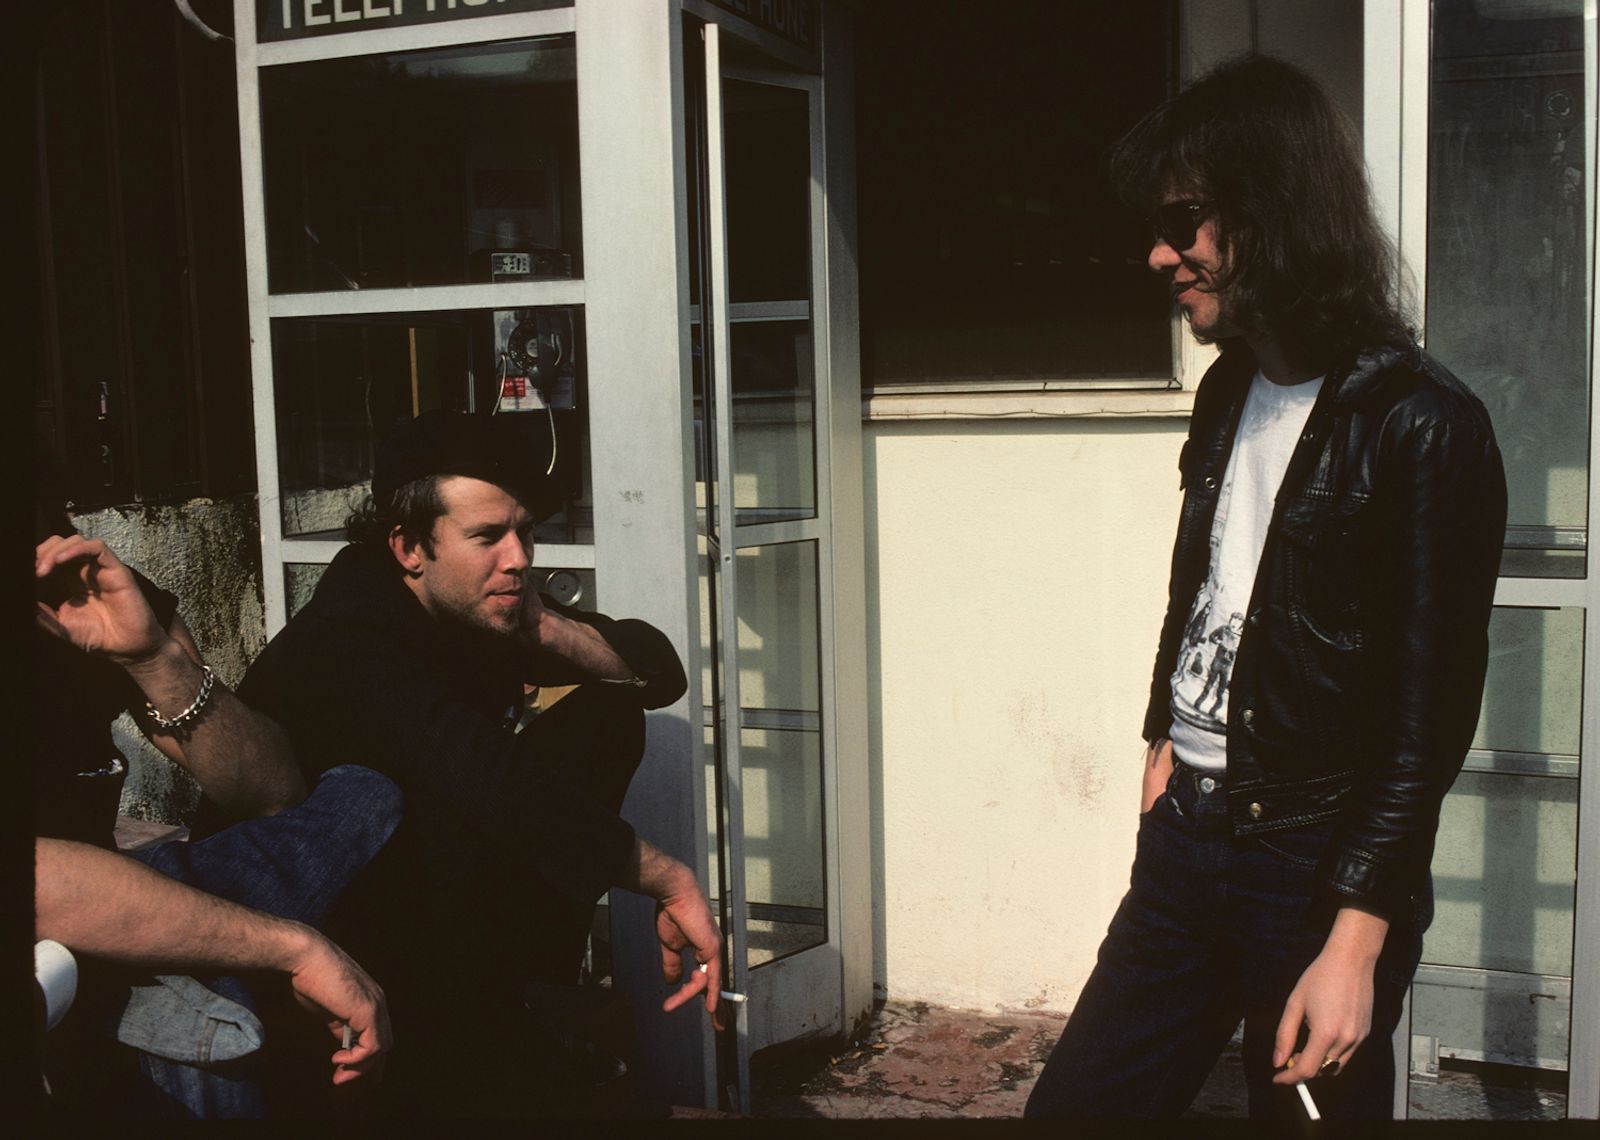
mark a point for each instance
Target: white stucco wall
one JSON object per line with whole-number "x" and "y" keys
{"x": 1016, "y": 581}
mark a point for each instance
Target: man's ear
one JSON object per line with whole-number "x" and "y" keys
{"x": 407, "y": 551}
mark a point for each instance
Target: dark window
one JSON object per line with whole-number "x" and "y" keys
{"x": 144, "y": 378}
{"x": 991, "y": 248}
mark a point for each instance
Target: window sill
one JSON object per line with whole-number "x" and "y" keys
{"x": 977, "y": 404}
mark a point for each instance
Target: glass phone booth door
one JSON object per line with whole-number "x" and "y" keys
{"x": 755, "y": 203}
{"x": 627, "y": 224}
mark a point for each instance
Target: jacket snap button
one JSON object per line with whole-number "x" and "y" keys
{"x": 1248, "y": 716}
{"x": 1255, "y": 618}
{"x": 1210, "y": 482}
{"x": 1255, "y": 811}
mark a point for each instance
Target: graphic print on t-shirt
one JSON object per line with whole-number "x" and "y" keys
{"x": 1205, "y": 663}
{"x": 1269, "y": 428}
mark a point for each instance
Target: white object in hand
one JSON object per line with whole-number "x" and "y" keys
{"x": 1305, "y": 1099}
{"x": 727, "y": 995}
{"x": 56, "y": 971}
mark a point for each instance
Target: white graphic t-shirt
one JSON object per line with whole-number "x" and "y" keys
{"x": 1269, "y": 427}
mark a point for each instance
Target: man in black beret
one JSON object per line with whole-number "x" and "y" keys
{"x": 412, "y": 658}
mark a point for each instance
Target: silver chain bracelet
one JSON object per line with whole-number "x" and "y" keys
{"x": 192, "y": 713}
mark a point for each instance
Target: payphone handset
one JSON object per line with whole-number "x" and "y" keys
{"x": 533, "y": 360}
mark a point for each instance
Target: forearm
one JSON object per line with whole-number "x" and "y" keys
{"x": 106, "y": 905}
{"x": 652, "y": 872}
{"x": 573, "y": 646}
{"x": 242, "y": 759}
{"x": 1356, "y": 938}
{"x": 581, "y": 647}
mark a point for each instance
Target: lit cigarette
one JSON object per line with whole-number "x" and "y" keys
{"x": 727, "y": 995}
{"x": 1305, "y": 1099}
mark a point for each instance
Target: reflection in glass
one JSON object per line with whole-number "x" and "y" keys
{"x": 423, "y": 168}
{"x": 342, "y": 384}
{"x": 1503, "y": 873}
{"x": 1534, "y": 690}
{"x": 1507, "y": 287}
{"x": 782, "y": 841}
{"x": 774, "y": 421}
{"x": 1497, "y": 961}
{"x": 768, "y": 159}
{"x": 774, "y": 424}
{"x": 767, "y": 143}
{"x": 780, "y": 745}
{"x": 781, "y": 748}
{"x": 1495, "y": 984}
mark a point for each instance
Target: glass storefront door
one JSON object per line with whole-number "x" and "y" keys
{"x": 1499, "y": 229}
{"x": 548, "y": 211}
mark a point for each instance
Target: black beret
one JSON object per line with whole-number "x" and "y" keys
{"x": 491, "y": 448}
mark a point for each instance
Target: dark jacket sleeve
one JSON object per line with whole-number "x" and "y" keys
{"x": 363, "y": 693}
{"x": 1445, "y": 524}
{"x": 645, "y": 648}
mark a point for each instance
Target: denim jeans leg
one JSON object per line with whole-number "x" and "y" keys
{"x": 1157, "y": 1010}
{"x": 1273, "y": 884}
{"x": 295, "y": 865}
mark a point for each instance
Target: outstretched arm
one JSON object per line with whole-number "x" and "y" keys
{"x": 90, "y": 599}
{"x": 106, "y": 905}
{"x": 683, "y": 922}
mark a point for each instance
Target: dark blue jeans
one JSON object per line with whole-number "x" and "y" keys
{"x": 1214, "y": 930}
{"x": 295, "y": 865}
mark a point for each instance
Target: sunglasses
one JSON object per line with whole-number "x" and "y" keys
{"x": 1178, "y": 223}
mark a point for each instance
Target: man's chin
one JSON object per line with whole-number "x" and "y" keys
{"x": 491, "y": 627}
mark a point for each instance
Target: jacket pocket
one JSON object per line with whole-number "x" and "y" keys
{"x": 1326, "y": 549}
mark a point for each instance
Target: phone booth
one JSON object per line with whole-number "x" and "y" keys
{"x": 629, "y": 224}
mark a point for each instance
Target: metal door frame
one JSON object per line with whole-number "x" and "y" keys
{"x": 810, "y": 990}
{"x": 1396, "y": 93}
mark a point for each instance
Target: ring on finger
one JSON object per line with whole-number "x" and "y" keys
{"x": 1329, "y": 1068}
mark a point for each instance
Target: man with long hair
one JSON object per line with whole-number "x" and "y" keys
{"x": 1344, "y": 508}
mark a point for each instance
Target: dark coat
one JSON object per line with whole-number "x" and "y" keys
{"x": 1361, "y": 666}
{"x": 363, "y": 675}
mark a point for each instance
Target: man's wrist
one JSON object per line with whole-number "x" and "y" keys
{"x": 165, "y": 654}
{"x": 658, "y": 874}
{"x": 1357, "y": 935}
{"x": 288, "y": 943}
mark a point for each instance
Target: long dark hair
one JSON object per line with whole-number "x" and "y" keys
{"x": 1306, "y": 258}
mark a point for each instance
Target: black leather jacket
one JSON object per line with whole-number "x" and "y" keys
{"x": 1355, "y": 692}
